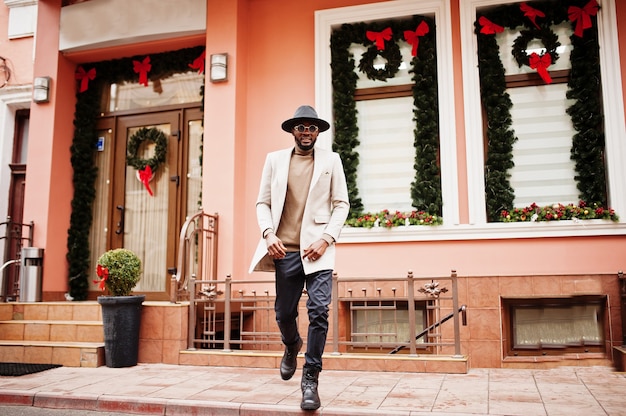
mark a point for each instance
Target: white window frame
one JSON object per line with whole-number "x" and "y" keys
{"x": 613, "y": 105}
{"x": 477, "y": 228}
{"x": 325, "y": 21}
{"x": 22, "y": 18}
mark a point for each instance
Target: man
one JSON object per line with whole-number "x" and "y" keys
{"x": 301, "y": 208}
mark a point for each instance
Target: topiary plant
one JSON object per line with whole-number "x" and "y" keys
{"x": 119, "y": 271}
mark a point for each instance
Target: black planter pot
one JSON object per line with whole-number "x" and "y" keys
{"x": 121, "y": 319}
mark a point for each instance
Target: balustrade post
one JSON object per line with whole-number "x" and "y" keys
{"x": 411, "y": 311}
{"x": 227, "y": 313}
{"x": 455, "y": 311}
{"x": 192, "y": 313}
{"x": 173, "y": 289}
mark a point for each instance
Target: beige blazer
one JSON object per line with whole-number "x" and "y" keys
{"x": 326, "y": 209}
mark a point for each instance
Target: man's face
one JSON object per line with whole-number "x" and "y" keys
{"x": 305, "y": 134}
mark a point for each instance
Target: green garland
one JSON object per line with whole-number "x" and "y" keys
{"x": 391, "y": 54}
{"x": 586, "y": 113}
{"x": 134, "y": 142}
{"x": 426, "y": 189}
{"x": 83, "y": 151}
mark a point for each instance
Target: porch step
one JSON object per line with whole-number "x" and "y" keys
{"x": 69, "y": 354}
{"x": 344, "y": 361}
{"x": 60, "y": 311}
{"x": 63, "y": 333}
{"x": 52, "y": 330}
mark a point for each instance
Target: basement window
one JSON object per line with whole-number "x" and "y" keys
{"x": 382, "y": 324}
{"x": 555, "y": 326}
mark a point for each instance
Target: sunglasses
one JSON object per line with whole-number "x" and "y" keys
{"x": 302, "y": 128}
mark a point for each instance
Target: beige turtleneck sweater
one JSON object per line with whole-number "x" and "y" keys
{"x": 298, "y": 183}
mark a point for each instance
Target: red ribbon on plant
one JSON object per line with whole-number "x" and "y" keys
{"x": 582, "y": 16}
{"x": 541, "y": 64}
{"x": 103, "y": 274}
{"x": 142, "y": 68}
{"x": 531, "y": 13}
{"x": 145, "y": 175}
{"x": 84, "y": 77}
{"x": 379, "y": 37}
{"x": 488, "y": 27}
{"x": 198, "y": 63}
{"x": 413, "y": 37}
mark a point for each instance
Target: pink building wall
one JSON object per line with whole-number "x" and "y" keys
{"x": 287, "y": 79}
{"x": 271, "y": 71}
{"x": 19, "y": 53}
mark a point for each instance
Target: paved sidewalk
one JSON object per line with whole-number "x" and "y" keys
{"x": 160, "y": 389}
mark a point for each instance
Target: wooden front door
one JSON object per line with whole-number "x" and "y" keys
{"x": 126, "y": 214}
{"x": 144, "y": 222}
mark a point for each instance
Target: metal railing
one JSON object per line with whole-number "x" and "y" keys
{"x": 16, "y": 236}
{"x": 197, "y": 253}
{"x": 214, "y": 305}
{"x": 432, "y": 298}
{"x": 221, "y": 316}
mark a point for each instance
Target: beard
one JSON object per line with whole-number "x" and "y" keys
{"x": 305, "y": 147}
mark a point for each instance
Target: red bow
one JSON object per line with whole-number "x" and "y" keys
{"x": 142, "y": 68}
{"x": 413, "y": 37}
{"x": 198, "y": 63}
{"x": 84, "y": 77}
{"x": 582, "y": 17}
{"x": 531, "y": 13}
{"x": 379, "y": 37}
{"x": 541, "y": 64}
{"x": 103, "y": 274}
{"x": 145, "y": 175}
{"x": 488, "y": 27}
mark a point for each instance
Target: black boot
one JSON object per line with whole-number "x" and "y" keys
{"x": 290, "y": 360}
{"x": 310, "y": 398}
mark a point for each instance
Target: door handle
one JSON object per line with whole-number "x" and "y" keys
{"x": 120, "y": 224}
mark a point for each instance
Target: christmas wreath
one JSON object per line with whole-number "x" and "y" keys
{"x": 548, "y": 38}
{"x": 391, "y": 54}
{"x": 142, "y": 135}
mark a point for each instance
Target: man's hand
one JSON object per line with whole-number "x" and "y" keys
{"x": 315, "y": 250}
{"x": 275, "y": 246}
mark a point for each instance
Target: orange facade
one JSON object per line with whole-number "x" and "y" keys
{"x": 272, "y": 69}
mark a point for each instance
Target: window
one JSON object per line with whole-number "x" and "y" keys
{"x": 555, "y": 326}
{"x": 386, "y": 119}
{"x": 174, "y": 90}
{"x": 384, "y": 323}
{"x": 561, "y": 187}
{"x": 386, "y": 153}
{"x": 543, "y": 172}
{"x": 22, "y": 18}
{"x": 385, "y": 124}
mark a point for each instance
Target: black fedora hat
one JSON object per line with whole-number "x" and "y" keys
{"x": 302, "y": 114}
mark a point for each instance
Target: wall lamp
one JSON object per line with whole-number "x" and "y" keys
{"x": 219, "y": 67}
{"x": 41, "y": 90}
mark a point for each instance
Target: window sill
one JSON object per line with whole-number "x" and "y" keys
{"x": 553, "y": 358}
{"x": 490, "y": 231}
